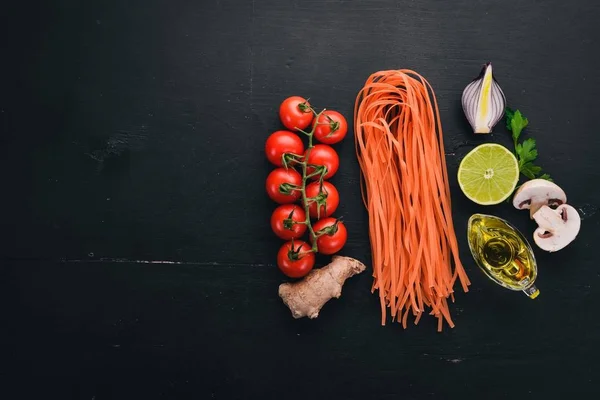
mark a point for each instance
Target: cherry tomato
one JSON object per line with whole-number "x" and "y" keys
{"x": 322, "y": 154}
{"x": 281, "y": 142}
{"x": 295, "y": 113}
{"x": 331, "y": 127}
{"x": 283, "y": 218}
{"x": 331, "y": 242}
{"x": 295, "y": 262}
{"x": 277, "y": 181}
{"x": 327, "y": 201}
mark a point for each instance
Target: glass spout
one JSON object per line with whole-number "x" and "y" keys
{"x": 502, "y": 253}
{"x": 532, "y": 292}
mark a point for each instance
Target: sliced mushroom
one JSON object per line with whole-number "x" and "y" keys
{"x": 536, "y": 193}
{"x": 557, "y": 228}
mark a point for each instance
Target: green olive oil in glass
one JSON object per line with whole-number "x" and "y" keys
{"x": 503, "y": 253}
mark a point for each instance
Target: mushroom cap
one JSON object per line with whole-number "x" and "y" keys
{"x": 537, "y": 191}
{"x": 557, "y": 228}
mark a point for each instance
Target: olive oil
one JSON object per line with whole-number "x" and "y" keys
{"x": 503, "y": 253}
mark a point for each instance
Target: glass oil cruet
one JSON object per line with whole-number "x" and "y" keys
{"x": 503, "y": 253}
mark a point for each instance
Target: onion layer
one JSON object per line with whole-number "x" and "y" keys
{"x": 483, "y": 101}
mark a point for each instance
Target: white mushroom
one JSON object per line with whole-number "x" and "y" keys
{"x": 557, "y": 228}
{"x": 536, "y": 193}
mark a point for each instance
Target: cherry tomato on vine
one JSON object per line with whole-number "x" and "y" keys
{"x": 281, "y": 142}
{"x": 322, "y": 154}
{"x": 331, "y": 127}
{"x": 296, "y": 261}
{"x": 333, "y": 241}
{"x": 280, "y": 185}
{"x": 326, "y": 202}
{"x": 295, "y": 113}
{"x": 288, "y": 221}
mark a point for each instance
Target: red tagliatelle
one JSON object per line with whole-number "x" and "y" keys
{"x": 399, "y": 146}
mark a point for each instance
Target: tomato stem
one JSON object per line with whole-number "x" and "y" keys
{"x": 306, "y": 176}
{"x": 305, "y": 107}
{"x": 303, "y": 131}
{"x": 329, "y": 230}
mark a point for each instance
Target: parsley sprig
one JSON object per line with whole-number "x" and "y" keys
{"x": 526, "y": 152}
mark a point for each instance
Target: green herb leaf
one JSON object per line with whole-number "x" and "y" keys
{"x": 527, "y": 151}
{"x": 517, "y": 124}
{"x": 530, "y": 170}
{"x": 509, "y": 113}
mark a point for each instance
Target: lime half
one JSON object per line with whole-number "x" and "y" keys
{"x": 488, "y": 174}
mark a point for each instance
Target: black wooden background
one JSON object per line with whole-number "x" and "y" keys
{"x": 137, "y": 260}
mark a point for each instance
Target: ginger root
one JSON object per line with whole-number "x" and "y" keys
{"x": 307, "y": 297}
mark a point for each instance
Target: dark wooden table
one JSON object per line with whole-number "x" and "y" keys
{"x": 137, "y": 260}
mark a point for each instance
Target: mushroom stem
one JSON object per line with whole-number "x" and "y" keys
{"x": 533, "y": 208}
